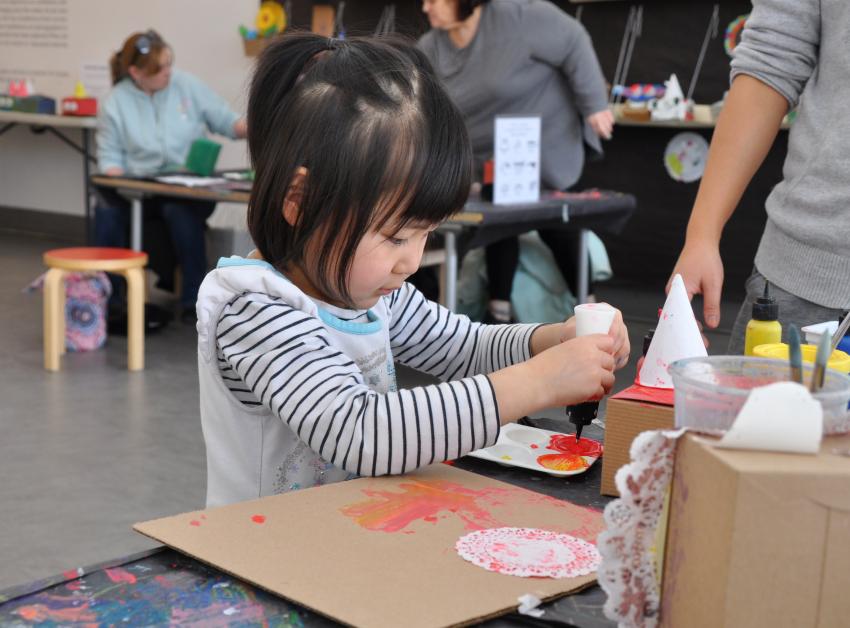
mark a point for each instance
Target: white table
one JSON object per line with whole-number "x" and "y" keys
{"x": 40, "y": 122}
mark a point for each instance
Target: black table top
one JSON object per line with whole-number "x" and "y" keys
{"x": 162, "y": 586}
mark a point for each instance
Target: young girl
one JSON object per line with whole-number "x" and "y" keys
{"x": 359, "y": 154}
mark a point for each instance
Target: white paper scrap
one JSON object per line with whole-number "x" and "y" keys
{"x": 528, "y": 604}
{"x": 676, "y": 337}
{"x": 777, "y": 417}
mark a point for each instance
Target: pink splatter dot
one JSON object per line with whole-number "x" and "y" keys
{"x": 194, "y": 522}
{"x": 203, "y": 516}
{"x": 258, "y": 519}
{"x": 533, "y": 446}
{"x": 430, "y": 518}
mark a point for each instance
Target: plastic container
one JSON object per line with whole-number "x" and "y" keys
{"x": 839, "y": 360}
{"x": 709, "y": 391}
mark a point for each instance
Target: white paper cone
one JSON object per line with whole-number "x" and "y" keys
{"x": 676, "y": 337}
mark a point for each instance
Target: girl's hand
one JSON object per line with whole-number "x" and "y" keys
{"x": 562, "y": 375}
{"x": 574, "y": 371}
{"x": 622, "y": 347}
{"x": 618, "y": 332}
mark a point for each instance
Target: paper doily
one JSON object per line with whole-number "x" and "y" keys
{"x": 630, "y": 544}
{"x": 529, "y": 552}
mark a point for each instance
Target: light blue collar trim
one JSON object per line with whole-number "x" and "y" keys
{"x": 229, "y": 262}
{"x": 350, "y": 327}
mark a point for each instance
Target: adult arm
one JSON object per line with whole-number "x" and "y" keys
{"x": 776, "y": 57}
{"x": 111, "y": 155}
{"x": 559, "y": 40}
{"x": 215, "y": 110}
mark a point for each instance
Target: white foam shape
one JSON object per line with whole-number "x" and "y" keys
{"x": 778, "y": 417}
{"x": 676, "y": 337}
{"x": 528, "y": 604}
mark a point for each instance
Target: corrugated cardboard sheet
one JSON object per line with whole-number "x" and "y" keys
{"x": 379, "y": 551}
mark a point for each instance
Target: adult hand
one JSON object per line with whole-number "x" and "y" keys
{"x": 114, "y": 171}
{"x": 240, "y": 128}
{"x": 602, "y": 123}
{"x": 702, "y": 271}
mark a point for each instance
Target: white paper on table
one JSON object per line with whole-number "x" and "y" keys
{"x": 516, "y": 161}
{"x": 676, "y": 337}
{"x": 190, "y": 180}
{"x": 777, "y": 417}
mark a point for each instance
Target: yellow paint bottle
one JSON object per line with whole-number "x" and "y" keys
{"x": 764, "y": 327}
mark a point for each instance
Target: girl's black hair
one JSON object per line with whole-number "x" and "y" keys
{"x": 382, "y": 143}
{"x": 466, "y": 7}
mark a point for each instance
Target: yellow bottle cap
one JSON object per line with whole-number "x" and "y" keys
{"x": 838, "y": 361}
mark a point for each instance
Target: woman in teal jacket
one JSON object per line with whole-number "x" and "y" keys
{"x": 146, "y": 126}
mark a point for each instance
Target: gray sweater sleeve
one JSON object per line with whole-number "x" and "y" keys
{"x": 559, "y": 40}
{"x": 779, "y": 45}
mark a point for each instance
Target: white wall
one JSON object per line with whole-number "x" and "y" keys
{"x": 38, "y": 171}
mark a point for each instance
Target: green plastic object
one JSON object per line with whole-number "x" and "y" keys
{"x": 202, "y": 157}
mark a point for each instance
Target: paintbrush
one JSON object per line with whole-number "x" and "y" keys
{"x": 821, "y": 359}
{"x": 795, "y": 355}
{"x": 839, "y": 333}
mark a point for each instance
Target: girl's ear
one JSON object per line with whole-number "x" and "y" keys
{"x": 294, "y": 196}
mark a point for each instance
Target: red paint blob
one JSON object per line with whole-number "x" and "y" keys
{"x": 533, "y": 446}
{"x": 258, "y": 519}
{"x": 194, "y": 522}
{"x": 567, "y": 444}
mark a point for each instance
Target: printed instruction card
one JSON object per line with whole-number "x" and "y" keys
{"x": 516, "y": 173}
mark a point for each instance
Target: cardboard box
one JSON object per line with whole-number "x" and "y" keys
{"x": 73, "y": 106}
{"x": 380, "y": 552}
{"x": 628, "y": 413}
{"x": 30, "y": 104}
{"x": 758, "y": 538}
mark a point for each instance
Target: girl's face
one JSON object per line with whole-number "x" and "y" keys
{"x": 383, "y": 260}
{"x": 441, "y": 14}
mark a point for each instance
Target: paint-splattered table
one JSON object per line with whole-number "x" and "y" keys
{"x": 161, "y": 586}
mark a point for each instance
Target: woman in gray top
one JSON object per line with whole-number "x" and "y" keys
{"x": 521, "y": 57}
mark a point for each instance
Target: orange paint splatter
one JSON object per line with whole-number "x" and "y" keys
{"x": 120, "y": 575}
{"x": 388, "y": 511}
{"x": 562, "y": 462}
{"x": 258, "y": 519}
{"x": 40, "y": 613}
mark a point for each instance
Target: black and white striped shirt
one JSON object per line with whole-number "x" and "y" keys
{"x": 327, "y": 374}
{"x": 273, "y": 354}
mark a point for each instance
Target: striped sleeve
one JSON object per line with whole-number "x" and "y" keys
{"x": 430, "y": 338}
{"x": 285, "y": 359}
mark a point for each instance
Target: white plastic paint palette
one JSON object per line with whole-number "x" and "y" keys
{"x": 541, "y": 450}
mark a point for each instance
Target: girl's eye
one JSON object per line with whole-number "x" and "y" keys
{"x": 396, "y": 241}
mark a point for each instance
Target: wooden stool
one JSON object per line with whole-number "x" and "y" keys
{"x": 122, "y": 261}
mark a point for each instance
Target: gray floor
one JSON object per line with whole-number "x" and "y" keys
{"x": 88, "y": 451}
